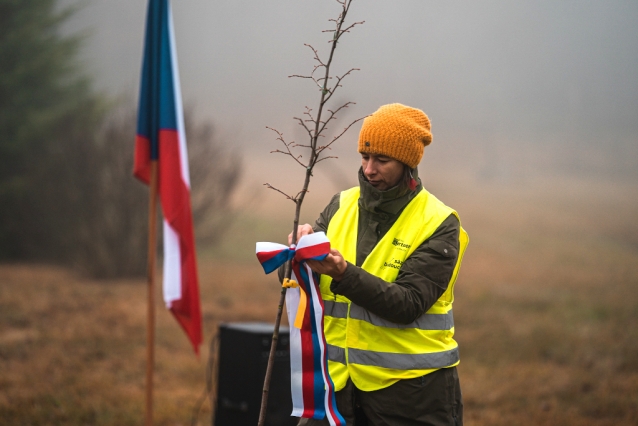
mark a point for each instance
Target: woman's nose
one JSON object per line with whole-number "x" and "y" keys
{"x": 369, "y": 169}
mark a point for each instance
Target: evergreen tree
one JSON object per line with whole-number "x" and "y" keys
{"x": 67, "y": 194}
{"x": 46, "y": 106}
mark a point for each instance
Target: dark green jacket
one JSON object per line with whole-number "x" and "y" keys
{"x": 424, "y": 275}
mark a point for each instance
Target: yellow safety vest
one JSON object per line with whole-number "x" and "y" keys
{"x": 372, "y": 351}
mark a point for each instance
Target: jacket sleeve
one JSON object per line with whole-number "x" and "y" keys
{"x": 422, "y": 279}
{"x": 321, "y": 224}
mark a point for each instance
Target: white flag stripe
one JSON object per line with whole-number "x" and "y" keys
{"x": 172, "y": 266}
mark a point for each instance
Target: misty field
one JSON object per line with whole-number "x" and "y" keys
{"x": 546, "y": 312}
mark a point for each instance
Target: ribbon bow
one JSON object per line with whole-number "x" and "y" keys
{"x": 310, "y": 247}
{"x": 311, "y": 385}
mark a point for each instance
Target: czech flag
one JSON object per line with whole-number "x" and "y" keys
{"x": 161, "y": 138}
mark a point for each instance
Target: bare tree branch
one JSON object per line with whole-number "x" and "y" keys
{"x": 301, "y": 76}
{"x": 303, "y": 124}
{"x": 308, "y": 112}
{"x": 345, "y": 30}
{"x": 299, "y": 194}
{"x": 333, "y": 114}
{"x": 269, "y": 186}
{"x": 325, "y": 158}
{"x": 287, "y": 145}
{"x": 334, "y": 139}
{"x": 316, "y": 56}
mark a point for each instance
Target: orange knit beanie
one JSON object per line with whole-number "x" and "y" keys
{"x": 396, "y": 131}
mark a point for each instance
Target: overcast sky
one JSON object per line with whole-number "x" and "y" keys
{"x": 542, "y": 73}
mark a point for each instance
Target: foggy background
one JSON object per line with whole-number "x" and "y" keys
{"x": 513, "y": 89}
{"x": 534, "y": 110}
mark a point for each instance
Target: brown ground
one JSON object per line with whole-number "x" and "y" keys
{"x": 546, "y": 311}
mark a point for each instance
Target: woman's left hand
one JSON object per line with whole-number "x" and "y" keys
{"x": 334, "y": 265}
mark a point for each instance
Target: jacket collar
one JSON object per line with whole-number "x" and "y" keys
{"x": 391, "y": 201}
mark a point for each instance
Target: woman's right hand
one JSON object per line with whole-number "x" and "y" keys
{"x": 302, "y": 230}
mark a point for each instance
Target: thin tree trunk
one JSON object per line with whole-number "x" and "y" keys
{"x": 315, "y": 151}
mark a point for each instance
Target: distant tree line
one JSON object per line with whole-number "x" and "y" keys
{"x": 67, "y": 194}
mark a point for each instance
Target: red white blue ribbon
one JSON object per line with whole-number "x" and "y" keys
{"x": 311, "y": 385}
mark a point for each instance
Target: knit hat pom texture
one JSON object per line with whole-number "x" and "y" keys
{"x": 396, "y": 131}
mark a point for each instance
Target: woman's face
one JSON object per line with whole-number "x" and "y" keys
{"x": 382, "y": 172}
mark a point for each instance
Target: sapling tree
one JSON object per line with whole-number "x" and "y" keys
{"x": 315, "y": 122}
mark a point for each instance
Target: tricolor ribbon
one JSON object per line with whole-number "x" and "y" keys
{"x": 311, "y": 385}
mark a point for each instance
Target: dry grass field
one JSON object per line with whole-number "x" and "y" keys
{"x": 546, "y": 313}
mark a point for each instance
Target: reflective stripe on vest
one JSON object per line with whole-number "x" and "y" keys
{"x": 424, "y": 322}
{"x": 372, "y": 351}
{"x": 392, "y": 360}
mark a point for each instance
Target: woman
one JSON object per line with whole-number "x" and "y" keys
{"x": 388, "y": 283}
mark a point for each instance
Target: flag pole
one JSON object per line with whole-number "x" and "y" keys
{"x": 150, "y": 326}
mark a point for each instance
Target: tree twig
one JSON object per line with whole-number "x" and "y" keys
{"x": 269, "y": 186}
{"x": 334, "y": 139}
{"x": 287, "y": 145}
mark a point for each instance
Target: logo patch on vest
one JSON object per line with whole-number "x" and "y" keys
{"x": 400, "y": 244}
